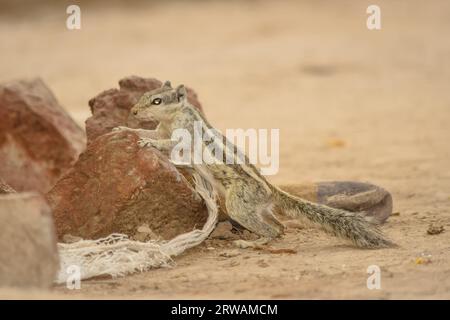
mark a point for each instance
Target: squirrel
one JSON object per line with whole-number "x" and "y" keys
{"x": 246, "y": 196}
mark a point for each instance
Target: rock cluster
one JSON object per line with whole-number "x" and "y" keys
{"x": 56, "y": 183}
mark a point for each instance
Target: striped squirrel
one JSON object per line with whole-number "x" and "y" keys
{"x": 245, "y": 195}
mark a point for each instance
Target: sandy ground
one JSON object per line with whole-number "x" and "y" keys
{"x": 311, "y": 69}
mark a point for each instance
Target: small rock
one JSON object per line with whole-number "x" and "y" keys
{"x": 435, "y": 229}
{"x": 28, "y": 251}
{"x": 223, "y": 231}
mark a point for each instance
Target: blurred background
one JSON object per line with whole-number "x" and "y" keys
{"x": 350, "y": 103}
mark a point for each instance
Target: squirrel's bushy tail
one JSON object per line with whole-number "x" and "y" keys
{"x": 345, "y": 224}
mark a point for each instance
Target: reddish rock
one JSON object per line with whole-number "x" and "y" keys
{"x": 28, "y": 250}
{"x": 117, "y": 186}
{"x": 38, "y": 139}
{"x": 4, "y": 188}
{"x": 111, "y": 108}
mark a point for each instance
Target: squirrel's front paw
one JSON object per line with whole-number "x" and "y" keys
{"x": 146, "y": 142}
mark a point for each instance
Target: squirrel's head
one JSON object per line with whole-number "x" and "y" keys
{"x": 160, "y": 104}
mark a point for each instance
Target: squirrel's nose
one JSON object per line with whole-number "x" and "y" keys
{"x": 135, "y": 112}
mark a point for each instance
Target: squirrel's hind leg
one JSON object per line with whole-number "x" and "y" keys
{"x": 252, "y": 210}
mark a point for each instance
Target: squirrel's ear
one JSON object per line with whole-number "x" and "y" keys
{"x": 181, "y": 93}
{"x": 167, "y": 85}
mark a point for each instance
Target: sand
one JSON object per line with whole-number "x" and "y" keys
{"x": 351, "y": 104}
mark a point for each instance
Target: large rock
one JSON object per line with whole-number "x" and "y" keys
{"x": 353, "y": 196}
{"x": 117, "y": 186}
{"x": 28, "y": 251}
{"x": 111, "y": 108}
{"x": 38, "y": 139}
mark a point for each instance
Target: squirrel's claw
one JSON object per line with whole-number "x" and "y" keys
{"x": 143, "y": 142}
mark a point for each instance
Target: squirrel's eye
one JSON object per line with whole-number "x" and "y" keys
{"x": 156, "y": 101}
